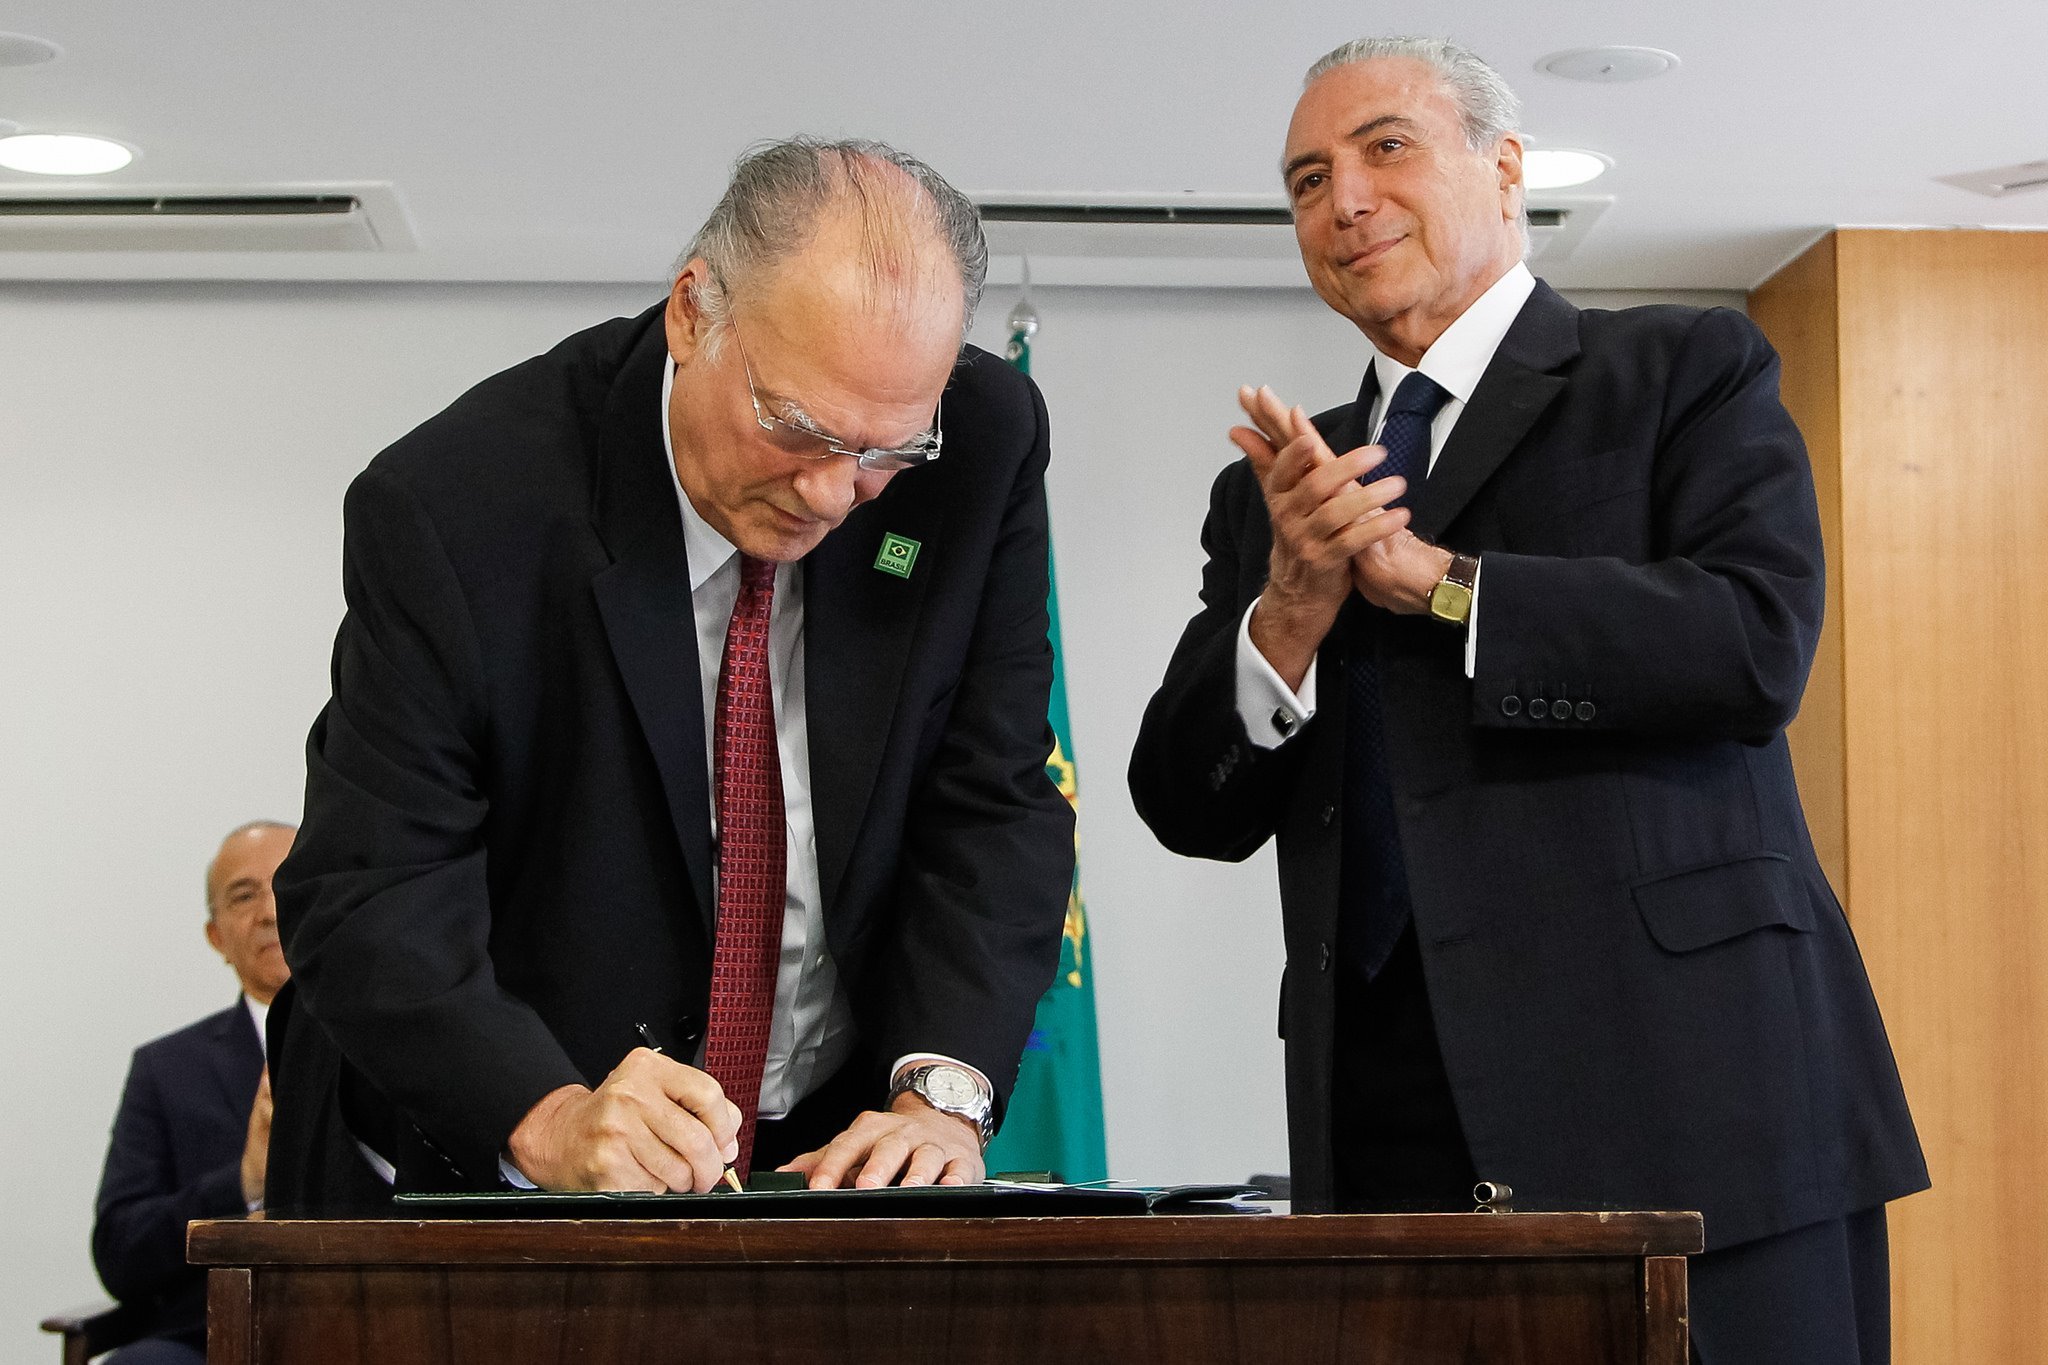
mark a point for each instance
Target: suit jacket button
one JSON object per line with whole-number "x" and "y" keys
{"x": 1329, "y": 813}
{"x": 1586, "y": 711}
{"x": 1324, "y": 965}
{"x": 1560, "y": 709}
{"x": 1511, "y": 705}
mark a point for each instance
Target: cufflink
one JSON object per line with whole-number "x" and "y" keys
{"x": 1284, "y": 722}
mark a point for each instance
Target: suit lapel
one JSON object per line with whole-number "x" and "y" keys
{"x": 237, "y": 1056}
{"x": 859, "y": 622}
{"x": 1517, "y": 386}
{"x": 643, "y": 598}
{"x": 1355, "y": 429}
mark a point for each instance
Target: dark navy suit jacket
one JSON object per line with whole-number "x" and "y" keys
{"x": 175, "y": 1155}
{"x": 1645, "y": 992}
{"x": 506, "y": 860}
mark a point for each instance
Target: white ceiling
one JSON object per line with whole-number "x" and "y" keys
{"x": 548, "y": 141}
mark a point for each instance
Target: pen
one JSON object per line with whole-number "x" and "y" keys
{"x": 729, "y": 1180}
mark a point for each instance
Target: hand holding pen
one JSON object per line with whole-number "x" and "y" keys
{"x": 653, "y": 1124}
{"x": 730, "y": 1179}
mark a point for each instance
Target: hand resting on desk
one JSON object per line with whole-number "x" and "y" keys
{"x": 911, "y": 1144}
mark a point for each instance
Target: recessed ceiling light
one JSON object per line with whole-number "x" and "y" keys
{"x": 1555, "y": 168}
{"x": 18, "y": 49}
{"x": 63, "y": 154}
{"x": 1609, "y": 65}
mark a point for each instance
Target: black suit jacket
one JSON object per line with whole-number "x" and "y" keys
{"x": 175, "y": 1155}
{"x": 506, "y": 860}
{"x": 1644, "y": 989}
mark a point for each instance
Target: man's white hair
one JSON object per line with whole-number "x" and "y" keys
{"x": 1487, "y": 108}
{"x": 780, "y": 191}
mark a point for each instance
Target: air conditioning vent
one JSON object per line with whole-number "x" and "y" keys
{"x": 1201, "y": 240}
{"x": 1559, "y": 224}
{"x": 322, "y": 218}
{"x": 169, "y": 205}
{"x": 2000, "y": 181}
{"x": 1130, "y": 239}
{"x": 1249, "y": 214}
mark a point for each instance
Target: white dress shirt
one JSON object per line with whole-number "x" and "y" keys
{"x": 812, "y": 1032}
{"x": 259, "y": 1015}
{"x": 1456, "y": 360}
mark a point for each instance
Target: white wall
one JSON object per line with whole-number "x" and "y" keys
{"x": 171, "y": 465}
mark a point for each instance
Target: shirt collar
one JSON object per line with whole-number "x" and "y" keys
{"x": 1460, "y": 356}
{"x": 708, "y": 551}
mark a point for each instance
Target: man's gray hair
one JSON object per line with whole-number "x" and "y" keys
{"x": 1487, "y": 109}
{"x": 249, "y": 827}
{"x": 780, "y": 192}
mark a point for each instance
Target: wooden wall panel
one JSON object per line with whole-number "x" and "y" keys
{"x": 1942, "y": 355}
{"x": 1796, "y": 309}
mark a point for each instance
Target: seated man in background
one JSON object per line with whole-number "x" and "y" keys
{"x": 193, "y": 1129}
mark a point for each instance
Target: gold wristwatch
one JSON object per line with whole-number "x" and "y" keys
{"x": 1451, "y": 599}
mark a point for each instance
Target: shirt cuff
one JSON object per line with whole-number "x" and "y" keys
{"x": 911, "y": 1059}
{"x": 1272, "y": 712}
{"x": 1472, "y": 625}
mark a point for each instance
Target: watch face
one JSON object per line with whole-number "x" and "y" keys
{"x": 1450, "y": 601}
{"x": 952, "y": 1087}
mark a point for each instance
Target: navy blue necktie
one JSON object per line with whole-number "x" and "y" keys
{"x": 1373, "y": 881}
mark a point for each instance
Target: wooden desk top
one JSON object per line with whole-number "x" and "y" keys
{"x": 261, "y": 1241}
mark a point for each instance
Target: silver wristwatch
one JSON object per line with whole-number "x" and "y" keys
{"x": 950, "y": 1090}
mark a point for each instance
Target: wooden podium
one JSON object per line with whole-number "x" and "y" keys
{"x": 1400, "y": 1289}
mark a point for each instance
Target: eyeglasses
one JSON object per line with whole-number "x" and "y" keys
{"x": 923, "y": 450}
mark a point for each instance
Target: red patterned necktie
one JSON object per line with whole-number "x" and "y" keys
{"x": 747, "y": 776}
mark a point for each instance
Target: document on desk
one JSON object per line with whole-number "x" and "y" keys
{"x": 996, "y": 1199}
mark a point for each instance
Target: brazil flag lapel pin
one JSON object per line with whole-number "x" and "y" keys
{"x": 898, "y": 554}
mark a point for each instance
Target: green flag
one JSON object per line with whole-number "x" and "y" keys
{"x": 1054, "y": 1121}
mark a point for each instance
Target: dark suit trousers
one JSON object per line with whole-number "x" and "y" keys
{"x": 1394, "y": 1128}
{"x": 1818, "y": 1295}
